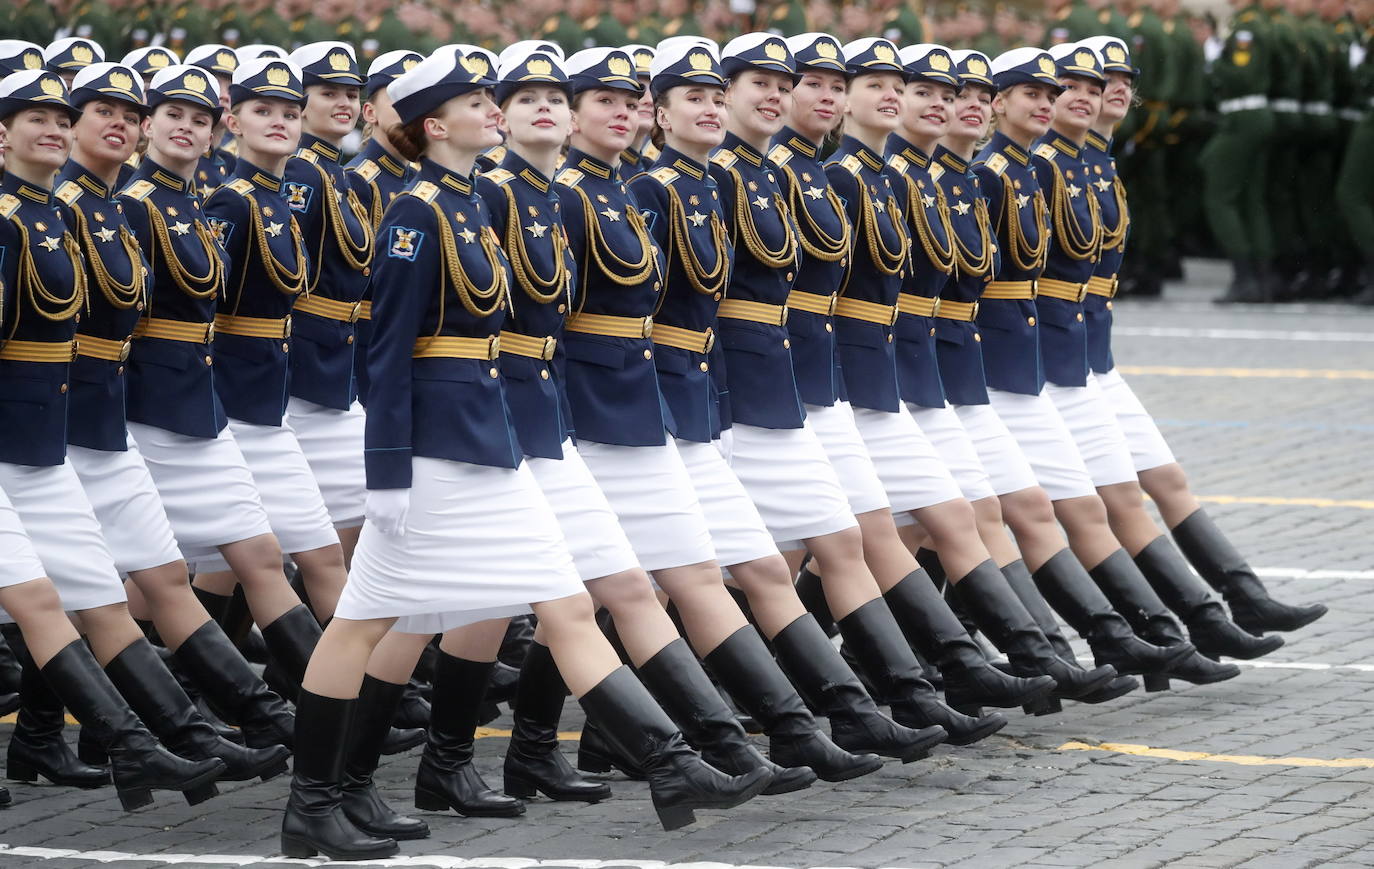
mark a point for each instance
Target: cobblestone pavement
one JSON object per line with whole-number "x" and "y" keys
{"x": 1026, "y": 797}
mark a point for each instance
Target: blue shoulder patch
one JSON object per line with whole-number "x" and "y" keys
{"x": 404, "y": 243}
{"x": 298, "y": 195}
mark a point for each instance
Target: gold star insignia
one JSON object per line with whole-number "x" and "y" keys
{"x": 880, "y": 206}
{"x": 181, "y": 227}
{"x": 49, "y": 242}
{"x": 694, "y": 199}
{"x": 1021, "y": 200}
{"x": 1102, "y": 184}
{"x": 697, "y": 218}
{"x": 468, "y": 236}
{"x": 760, "y": 203}
{"x": 612, "y": 215}
{"x": 927, "y": 200}
{"x": 1074, "y": 190}
{"x": 105, "y": 234}
{"x": 536, "y": 229}
{"x": 962, "y": 208}
{"x": 274, "y": 229}
{"x": 814, "y": 192}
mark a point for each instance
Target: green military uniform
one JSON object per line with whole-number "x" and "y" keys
{"x": 31, "y": 20}
{"x": 785, "y": 18}
{"x": 144, "y": 30}
{"x": 1112, "y": 23}
{"x": 1072, "y": 23}
{"x": 606, "y": 29}
{"x": 98, "y": 23}
{"x": 1347, "y": 113}
{"x": 1314, "y": 158}
{"x": 1190, "y": 123}
{"x": 304, "y": 30}
{"x": 1289, "y": 142}
{"x": 682, "y": 25}
{"x": 189, "y": 25}
{"x": 378, "y": 35}
{"x": 901, "y": 24}
{"x": 567, "y": 32}
{"x": 265, "y": 26}
{"x": 1355, "y": 186}
{"x": 1236, "y": 159}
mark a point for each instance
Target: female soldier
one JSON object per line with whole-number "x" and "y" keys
{"x": 218, "y": 161}
{"x": 774, "y": 452}
{"x": 613, "y": 390}
{"x": 174, "y": 413}
{"x": 642, "y": 152}
{"x": 44, "y": 293}
{"x": 1160, "y": 475}
{"x": 439, "y": 439}
{"x": 916, "y": 480}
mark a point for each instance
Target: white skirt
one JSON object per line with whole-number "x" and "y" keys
{"x": 332, "y": 441}
{"x": 911, "y": 470}
{"x": 1101, "y": 442}
{"x": 738, "y": 532}
{"x": 288, "y": 489}
{"x": 788, "y": 477}
{"x": 18, "y": 561}
{"x": 127, "y": 505}
{"x": 58, "y": 519}
{"x": 1006, "y": 466}
{"x": 206, "y": 488}
{"x": 479, "y": 543}
{"x": 839, "y": 436}
{"x": 591, "y": 531}
{"x": 652, "y": 496}
{"x": 1148, "y": 447}
{"x": 942, "y": 428}
{"x": 1046, "y": 443}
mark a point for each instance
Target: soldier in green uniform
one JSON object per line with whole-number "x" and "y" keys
{"x": 31, "y": 21}
{"x": 604, "y": 28}
{"x": 1190, "y": 123}
{"x": 785, "y": 18}
{"x": 1314, "y": 157}
{"x": 1289, "y": 142}
{"x": 999, "y": 38}
{"x": 91, "y": 20}
{"x": 379, "y": 30}
{"x": 1236, "y": 159}
{"x": 568, "y": 27}
{"x": 1070, "y": 21}
{"x": 189, "y": 24}
{"x": 1347, "y": 112}
{"x": 306, "y": 23}
{"x": 899, "y": 22}
{"x": 1355, "y": 186}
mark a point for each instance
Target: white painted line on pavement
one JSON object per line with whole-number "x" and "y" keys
{"x": 1242, "y": 334}
{"x": 1305, "y": 573}
{"x": 440, "y": 861}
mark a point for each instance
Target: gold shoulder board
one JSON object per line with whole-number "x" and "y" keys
{"x": 425, "y": 190}
{"x": 308, "y": 155}
{"x": 724, "y": 159}
{"x": 898, "y": 162}
{"x": 1046, "y": 150}
{"x": 367, "y": 170}
{"x": 241, "y": 186}
{"x": 852, "y": 165}
{"x": 779, "y": 155}
{"x": 936, "y": 171}
{"x": 499, "y": 176}
{"x": 69, "y": 192}
{"x": 570, "y": 177}
{"x": 9, "y": 204}
{"x": 997, "y": 163}
{"x": 139, "y": 189}
{"x": 664, "y": 175}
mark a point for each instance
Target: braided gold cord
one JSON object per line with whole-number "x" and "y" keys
{"x": 536, "y": 286}
{"x": 815, "y": 241}
{"x": 292, "y": 283}
{"x": 965, "y": 260}
{"x": 469, "y": 293}
{"x": 745, "y": 228}
{"x": 703, "y": 280}
{"x": 941, "y": 258}
{"x": 1115, "y": 238}
{"x": 121, "y": 296}
{"x": 637, "y": 272}
{"x": 1068, "y": 232}
{"x": 886, "y": 261}
{"x": 197, "y": 287}
{"x": 1023, "y": 255}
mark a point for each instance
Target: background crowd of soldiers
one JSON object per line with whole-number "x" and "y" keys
{"x": 1296, "y": 242}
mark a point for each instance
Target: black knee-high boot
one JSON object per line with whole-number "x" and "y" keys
{"x": 138, "y": 763}
{"x": 231, "y": 686}
{"x": 377, "y": 702}
{"x": 1208, "y": 627}
{"x": 679, "y": 780}
{"x": 314, "y": 821}
{"x": 533, "y": 761}
{"x": 447, "y": 778}
{"x": 1131, "y": 595}
{"x": 1225, "y": 569}
{"x": 742, "y": 664}
{"x": 36, "y": 745}
{"x": 157, "y": 698}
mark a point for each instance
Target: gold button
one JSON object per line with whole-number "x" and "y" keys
{"x": 119, "y": 370}
{"x": 562, "y": 307}
{"x": 367, "y": 270}
{"x": 494, "y": 373}
{"x": 829, "y": 328}
{"x": 77, "y": 319}
{"x": 1030, "y": 321}
{"x": 932, "y": 331}
{"x": 717, "y": 297}
{"x": 889, "y": 339}
{"x": 787, "y": 343}
{"x": 844, "y": 261}
{"x": 1109, "y": 305}
{"x": 285, "y": 347}
{"x": 544, "y": 374}
{"x": 901, "y": 274}
{"x": 1078, "y": 317}
{"x": 62, "y": 388}
{"x": 977, "y": 337}
{"x": 349, "y": 339}
{"x": 705, "y": 367}
{"x": 789, "y": 276}
{"x": 209, "y": 360}
{"x": 648, "y": 354}
{"x": 139, "y": 306}
{"x": 657, "y": 286}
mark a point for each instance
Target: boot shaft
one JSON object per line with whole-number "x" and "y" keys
{"x": 744, "y": 667}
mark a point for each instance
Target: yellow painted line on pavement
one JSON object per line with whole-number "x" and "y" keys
{"x": 1239, "y": 759}
{"x": 1275, "y": 501}
{"x": 1266, "y": 373}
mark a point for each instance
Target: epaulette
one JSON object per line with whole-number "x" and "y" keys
{"x": 650, "y": 152}
{"x": 9, "y": 204}
{"x": 425, "y": 191}
{"x": 1246, "y": 16}
{"x": 139, "y": 189}
{"x": 241, "y": 186}
{"x": 936, "y": 171}
{"x": 495, "y": 153}
{"x": 499, "y": 176}
{"x": 724, "y": 158}
{"x": 570, "y": 177}
{"x": 1046, "y": 151}
{"x": 780, "y": 155}
{"x": 308, "y": 155}
{"x": 69, "y": 192}
{"x": 853, "y": 165}
{"x": 996, "y": 163}
{"x": 898, "y": 162}
{"x": 367, "y": 170}
{"x": 664, "y": 175}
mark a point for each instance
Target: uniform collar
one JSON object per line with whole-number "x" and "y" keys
{"x": 258, "y": 177}
{"x": 86, "y": 179}
{"x": 436, "y": 174}
{"x": 797, "y": 142}
{"x": 630, "y": 156}
{"x": 1099, "y": 142}
{"x": 588, "y": 164}
{"x": 909, "y": 152}
{"x": 373, "y": 150}
{"x": 950, "y": 160}
{"x": 1063, "y": 144}
{"x": 1002, "y": 144}
{"x": 319, "y": 146}
{"x": 522, "y": 169}
{"x": 742, "y": 149}
{"x": 11, "y": 183}
{"x": 162, "y": 177}
{"x": 682, "y": 163}
{"x": 866, "y": 155}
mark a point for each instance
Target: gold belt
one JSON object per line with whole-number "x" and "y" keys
{"x": 1064, "y": 290}
{"x": 611, "y": 326}
{"x": 331, "y": 309}
{"x": 103, "y": 348}
{"x": 365, "y": 310}
{"x": 525, "y": 345}
{"x": 964, "y": 311}
{"x": 757, "y": 312}
{"x": 38, "y": 351}
{"x": 814, "y": 303}
{"x": 1102, "y": 287}
{"x": 443, "y": 346}
{"x": 684, "y": 339}
{"x": 918, "y": 306}
{"x": 870, "y": 312}
{"x": 1020, "y": 291}
{"x": 175, "y": 330}
{"x": 253, "y": 327}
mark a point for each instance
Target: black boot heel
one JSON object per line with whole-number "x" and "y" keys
{"x": 15, "y": 771}
{"x": 131, "y": 799}
{"x": 199, "y": 794}
{"x": 1045, "y": 706}
{"x": 429, "y": 801}
{"x": 675, "y": 817}
{"x": 519, "y": 788}
{"x": 298, "y": 849}
{"x": 1156, "y": 682}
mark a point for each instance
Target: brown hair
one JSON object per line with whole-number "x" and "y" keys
{"x": 656, "y": 135}
{"x": 409, "y": 140}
